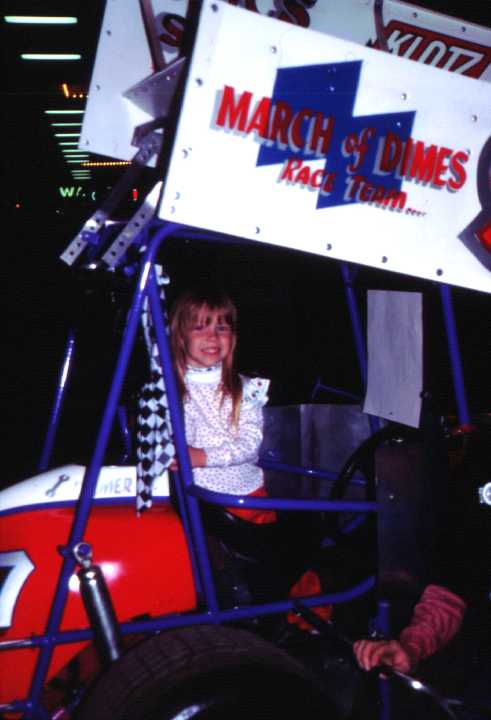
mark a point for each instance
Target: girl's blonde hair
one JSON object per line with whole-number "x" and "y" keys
{"x": 184, "y": 314}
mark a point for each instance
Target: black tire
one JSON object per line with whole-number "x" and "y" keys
{"x": 205, "y": 672}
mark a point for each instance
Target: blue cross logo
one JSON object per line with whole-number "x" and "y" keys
{"x": 331, "y": 90}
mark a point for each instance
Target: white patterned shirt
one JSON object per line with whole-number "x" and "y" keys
{"x": 231, "y": 453}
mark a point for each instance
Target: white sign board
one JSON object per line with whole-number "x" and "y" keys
{"x": 123, "y": 58}
{"x": 325, "y": 146}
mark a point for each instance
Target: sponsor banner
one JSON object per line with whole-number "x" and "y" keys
{"x": 63, "y": 484}
{"x": 324, "y": 146}
{"x": 123, "y": 58}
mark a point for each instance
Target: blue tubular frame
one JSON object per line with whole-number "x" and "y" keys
{"x": 54, "y": 420}
{"x": 189, "y": 497}
{"x": 92, "y": 473}
{"x": 455, "y": 357}
{"x": 125, "y": 433}
{"x": 349, "y": 273}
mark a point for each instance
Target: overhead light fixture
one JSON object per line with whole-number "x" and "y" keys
{"x": 70, "y": 151}
{"x": 67, "y": 134}
{"x": 51, "y": 56}
{"x": 68, "y": 142}
{"x": 64, "y": 112}
{"x": 74, "y": 162}
{"x": 74, "y": 124}
{"x": 112, "y": 163}
{"x": 40, "y": 20}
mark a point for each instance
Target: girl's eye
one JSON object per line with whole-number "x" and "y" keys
{"x": 223, "y": 328}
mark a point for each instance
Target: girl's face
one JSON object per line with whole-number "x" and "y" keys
{"x": 209, "y": 339}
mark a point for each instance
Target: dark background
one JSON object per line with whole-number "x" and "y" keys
{"x": 294, "y": 322}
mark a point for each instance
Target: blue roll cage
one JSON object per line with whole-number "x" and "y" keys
{"x": 188, "y": 494}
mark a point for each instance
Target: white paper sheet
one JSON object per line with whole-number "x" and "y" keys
{"x": 395, "y": 356}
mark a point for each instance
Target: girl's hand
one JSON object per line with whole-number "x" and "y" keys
{"x": 370, "y": 653}
{"x": 197, "y": 456}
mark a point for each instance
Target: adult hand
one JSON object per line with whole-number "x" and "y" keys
{"x": 370, "y": 653}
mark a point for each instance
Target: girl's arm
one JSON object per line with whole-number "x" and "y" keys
{"x": 242, "y": 445}
{"x": 197, "y": 456}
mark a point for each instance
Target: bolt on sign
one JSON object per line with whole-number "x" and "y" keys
{"x": 325, "y": 146}
{"x": 318, "y": 143}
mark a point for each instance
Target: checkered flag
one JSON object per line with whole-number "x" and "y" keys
{"x": 155, "y": 448}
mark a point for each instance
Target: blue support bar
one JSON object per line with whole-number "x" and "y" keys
{"x": 335, "y": 391}
{"x": 268, "y": 464}
{"x": 125, "y": 433}
{"x": 198, "y": 547}
{"x": 92, "y": 473}
{"x": 455, "y": 356}
{"x": 348, "y": 274}
{"x": 58, "y": 403}
{"x": 166, "y": 622}
{"x": 242, "y": 501}
{"x": 383, "y": 627}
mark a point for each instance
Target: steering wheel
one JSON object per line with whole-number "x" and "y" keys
{"x": 360, "y": 463}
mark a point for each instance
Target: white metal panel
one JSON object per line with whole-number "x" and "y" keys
{"x": 123, "y": 58}
{"x": 435, "y": 39}
{"x": 65, "y": 483}
{"x": 215, "y": 182}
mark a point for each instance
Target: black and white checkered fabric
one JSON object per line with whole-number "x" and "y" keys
{"x": 155, "y": 448}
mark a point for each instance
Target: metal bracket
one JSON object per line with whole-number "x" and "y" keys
{"x": 154, "y": 94}
{"x": 137, "y": 223}
{"x": 148, "y": 17}
{"x": 378, "y": 10}
{"x": 149, "y": 146}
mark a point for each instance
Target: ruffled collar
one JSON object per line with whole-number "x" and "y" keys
{"x": 204, "y": 375}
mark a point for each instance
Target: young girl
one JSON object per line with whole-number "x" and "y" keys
{"x": 223, "y": 416}
{"x": 222, "y": 409}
